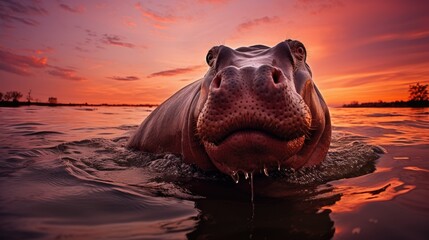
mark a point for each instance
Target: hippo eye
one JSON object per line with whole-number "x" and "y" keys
{"x": 300, "y": 53}
{"x": 210, "y": 58}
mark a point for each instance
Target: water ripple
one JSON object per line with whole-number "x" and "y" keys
{"x": 42, "y": 133}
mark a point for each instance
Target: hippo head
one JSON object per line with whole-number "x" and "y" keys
{"x": 259, "y": 109}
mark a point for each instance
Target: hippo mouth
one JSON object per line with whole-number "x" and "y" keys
{"x": 251, "y": 132}
{"x": 249, "y": 150}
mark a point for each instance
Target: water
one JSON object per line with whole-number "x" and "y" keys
{"x": 65, "y": 174}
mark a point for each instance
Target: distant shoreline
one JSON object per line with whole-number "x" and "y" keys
{"x": 19, "y": 104}
{"x": 396, "y": 104}
{"x": 381, "y": 104}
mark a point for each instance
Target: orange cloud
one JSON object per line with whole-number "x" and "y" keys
{"x": 19, "y": 64}
{"x": 64, "y": 73}
{"x": 43, "y": 51}
{"x": 78, "y": 9}
{"x": 31, "y": 8}
{"x": 256, "y": 22}
{"x": 126, "y": 78}
{"x": 155, "y": 16}
{"x": 14, "y": 11}
{"x": 317, "y": 6}
{"x": 413, "y": 35}
{"x": 176, "y": 71}
{"x": 214, "y": 1}
{"x": 115, "y": 40}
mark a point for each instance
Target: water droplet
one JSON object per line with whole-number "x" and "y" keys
{"x": 266, "y": 172}
{"x": 235, "y": 176}
{"x": 279, "y": 166}
{"x": 246, "y": 175}
{"x": 251, "y": 187}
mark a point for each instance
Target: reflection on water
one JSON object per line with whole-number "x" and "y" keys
{"x": 66, "y": 174}
{"x": 355, "y": 196}
{"x": 413, "y": 168}
{"x": 385, "y": 126}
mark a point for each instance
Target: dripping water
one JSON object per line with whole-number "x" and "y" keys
{"x": 251, "y": 191}
{"x": 266, "y": 172}
{"x": 253, "y": 206}
{"x": 235, "y": 176}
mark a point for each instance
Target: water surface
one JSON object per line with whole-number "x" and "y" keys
{"x": 65, "y": 174}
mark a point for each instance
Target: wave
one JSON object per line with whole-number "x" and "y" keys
{"x": 384, "y": 115}
{"x": 27, "y": 124}
{"x": 42, "y": 133}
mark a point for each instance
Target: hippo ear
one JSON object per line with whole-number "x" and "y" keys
{"x": 298, "y": 50}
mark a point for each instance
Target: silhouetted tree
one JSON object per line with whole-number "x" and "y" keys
{"x": 7, "y": 96}
{"x": 418, "y": 93}
{"x": 1, "y": 96}
{"x": 29, "y": 98}
{"x": 14, "y": 95}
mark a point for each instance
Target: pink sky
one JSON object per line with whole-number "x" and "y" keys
{"x": 144, "y": 51}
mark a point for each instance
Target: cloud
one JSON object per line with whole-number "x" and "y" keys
{"x": 214, "y": 1}
{"x": 65, "y": 73}
{"x": 78, "y": 9}
{"x": 149, "y": 14}
{"x": 31, "y": 7}
{"x": 43, "y": 51}
{"x": 19, "y": 64}
{"x": 256, "y": 22}
{"x": 15, "y": 12}
{"x": 115, "y": 40}
{"x": 22, "y": 65}
{"x": 80, "y": 49}
{"x": 126, "y": 78}
{"x": 401, "y": 36}
{"x": 380, "y": 78}
{"x": 91, "y": 37}
{"x": 175, "y": 71}
{"x": 317, "y": 6}
{"x": 90, "y": 33}
{"x": 94, "y": 40}
{"x": 10, "y": 19}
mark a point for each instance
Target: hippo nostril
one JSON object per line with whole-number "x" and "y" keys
{"x": 216, "y": 82}
{"x": 277, "y": 76}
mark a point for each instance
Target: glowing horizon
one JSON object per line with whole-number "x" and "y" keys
{"x": 137, "y": 52}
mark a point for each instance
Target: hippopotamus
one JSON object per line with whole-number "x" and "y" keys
{"x": 256, "y": 109}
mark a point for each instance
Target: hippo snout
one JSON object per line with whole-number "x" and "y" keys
{"x": 253, "y": 118}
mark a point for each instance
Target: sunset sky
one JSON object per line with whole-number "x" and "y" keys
{"x": 144, "y": 51}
